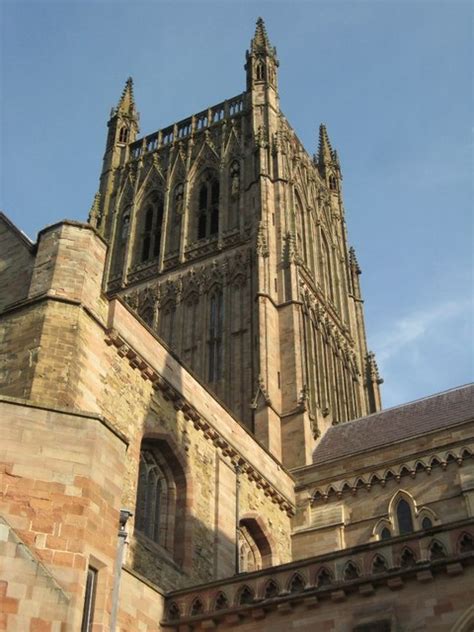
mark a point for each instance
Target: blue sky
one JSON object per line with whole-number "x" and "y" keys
{"x": 391, "y": 79}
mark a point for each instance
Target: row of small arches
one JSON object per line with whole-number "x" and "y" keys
{"x": 324, "y": 577}
{"x": 392, "y": 474}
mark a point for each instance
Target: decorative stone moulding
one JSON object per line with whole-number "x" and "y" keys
{"x": 309, "y": 583}
{"x": 170, "y": 394}
{"x": 410, "y": 468}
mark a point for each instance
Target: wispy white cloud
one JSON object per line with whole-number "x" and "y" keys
{"x": 409, "y": 329}
{"x": 426, "y": 351}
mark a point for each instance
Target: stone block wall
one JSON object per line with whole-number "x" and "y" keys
{"x": 85, "y": 352}
{"x": 61, "y": 479}
{"x": 16, "y": 263}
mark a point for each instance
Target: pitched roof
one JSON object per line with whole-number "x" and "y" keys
{"x": 396, "y": 424}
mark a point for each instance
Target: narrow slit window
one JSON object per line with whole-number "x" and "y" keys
{"x": 89, "y": 600}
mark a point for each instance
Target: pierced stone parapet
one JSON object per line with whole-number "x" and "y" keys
{"x": 311, "y": 583}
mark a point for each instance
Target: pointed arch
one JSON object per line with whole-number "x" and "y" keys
{"x": 351, "y": 571}
{"x": 206, "y": 198}
{"x": 379, "y": 564}
{"x": 427, "y": 518}
{"x": 197, "y": 607}
{"x": 437, "y": 550}
{"x": 149, "y": 227}
{"x": 160, "y": 512}
{"x": 175, "y": 215}
{"x": 407, "y": 558}
{"x": 402, "y": 511}
{"x": 296, "y": 583}
{"x": 221, "y": 602}
{"x": 174, "y": 611}
{"x": 262, "y": 537}
{"x": 271, "y": 589}
{"x": 324, "y": 577}
{"x": 383, "y": 529}
{"x": 245, "y": 595}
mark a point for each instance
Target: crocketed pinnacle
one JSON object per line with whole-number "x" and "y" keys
{"x": 373, "y": 369}
{"x": 260, "y": 39}
{"x": 126, "y": 105}
{"x": 260, "y": 42}
{"x": 353, "y": 260}
{"x": 325, "y": 152}
{"x": 94, "y": 213}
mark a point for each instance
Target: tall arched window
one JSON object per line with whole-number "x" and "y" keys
{"x": 123, "y": 135}
{"x": 300, "y": 228}
{"x": 123, "y": 229}
{"x": 327, "y": 267}
{"x": 215, "y": 336}
{"x": 176, "y": 218}
{"x": 152, "y": 497}
{"x": 152, "y": 226}
{"x": 208, "y": 207}
{"x": 254, "y": 547}
{"x": 161, "y": 497}
{"x": 404, "y": 517}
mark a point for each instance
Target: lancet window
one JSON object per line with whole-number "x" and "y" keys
{"x": 152, "y": 497}
{"x": 404, "y": 517}
{"x": 123, "y": 135}
{"x": 176, "y": 218}
{"x": 208, "y": 207}
{"x": 161, "y": 497}
{"x": 152, "y": 222}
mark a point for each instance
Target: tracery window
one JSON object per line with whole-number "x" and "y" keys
{"x": 215, "y": 336}
{"x": 208, "y": 207}
{"x": 161, "y": 496}
{"x": 249, "y": 555}
{"x": 152, "y": 497}
{"x": 123, "y": 135}
{"x": 152, "y": 227}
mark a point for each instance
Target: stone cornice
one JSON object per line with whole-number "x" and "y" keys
{"x": 338, "y": 486}
{"x": 190, "y": 413}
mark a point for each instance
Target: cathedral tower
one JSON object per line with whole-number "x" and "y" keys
{"x": 230, "y": 241}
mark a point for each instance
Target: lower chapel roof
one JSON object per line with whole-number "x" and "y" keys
{"x": 396, "y": 424}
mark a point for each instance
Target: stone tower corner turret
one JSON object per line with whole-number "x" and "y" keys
{"x": 123, "y": 127}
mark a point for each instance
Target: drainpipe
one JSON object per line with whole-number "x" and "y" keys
{"x": 125, "y": 514}
{"x": 237, "y": 518}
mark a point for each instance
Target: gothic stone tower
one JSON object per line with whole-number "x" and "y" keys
{"x": 230, "y": 242}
